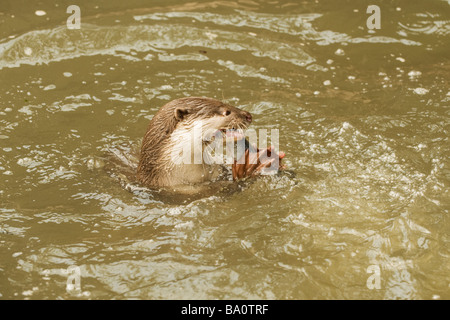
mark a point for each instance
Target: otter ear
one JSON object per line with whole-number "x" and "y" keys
{"x": 180, "y": 113}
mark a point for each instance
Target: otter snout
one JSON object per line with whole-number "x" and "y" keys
{"x": 248, "y": 116}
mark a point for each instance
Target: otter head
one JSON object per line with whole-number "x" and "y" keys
{"x": 211, "y": 117}
{"x": 193, "y": 121}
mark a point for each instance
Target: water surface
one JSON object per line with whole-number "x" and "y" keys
{"x": 363, "y": 118}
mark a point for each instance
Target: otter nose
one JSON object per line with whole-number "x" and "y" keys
{"x": 248, "y": 116}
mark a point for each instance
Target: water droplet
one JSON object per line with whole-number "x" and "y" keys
{"x": 420, "y": 91}
{"x": 339, "y": 52}
{"x": 414, "y": 74}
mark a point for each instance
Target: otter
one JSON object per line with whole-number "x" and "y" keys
{"x": 172, "y": 129}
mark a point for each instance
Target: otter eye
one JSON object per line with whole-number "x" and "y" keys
{"x": 227, "y": 113}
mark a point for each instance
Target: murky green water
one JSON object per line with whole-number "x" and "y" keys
{"x": 363, "y": 119}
